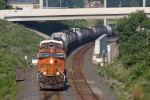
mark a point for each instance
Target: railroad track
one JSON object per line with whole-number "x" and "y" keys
{"x": 81, "y": 84}
{"x": 49, "y": 95}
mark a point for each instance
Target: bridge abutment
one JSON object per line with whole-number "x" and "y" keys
{"x": 1, "y": 16}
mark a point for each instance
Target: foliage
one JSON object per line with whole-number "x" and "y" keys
{"x": 127, "y": 3}
{"x": 15, "y": 43}
{"x": 134, "y": 3}
{"x": 65, "y": 3}
{"x": 46, "y": 27}
{"x": 132, "y": 66}
{"x": 2, "y": 4}
{"x": 98, "y": 55}
{"x": 49, "y": 27}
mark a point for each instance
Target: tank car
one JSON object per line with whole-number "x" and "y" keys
{"x": 112, "y": 27}
{"x": 61, "y": 36}
{"x": 109, "y": 30}
{"x": 51, "y": 64}
{"x": 69, "y": 37}
{"x": 79, "y": 35}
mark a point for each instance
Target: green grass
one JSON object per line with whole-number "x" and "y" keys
{"x": 15, "y": 43}
{"x": 137, "y": 89}
{"x": 111, "y": 21}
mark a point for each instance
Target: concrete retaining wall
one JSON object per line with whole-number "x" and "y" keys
{"x": 1, "y": 16}
{"x": 110, "y": 52}
{"x": 100, "y": 46}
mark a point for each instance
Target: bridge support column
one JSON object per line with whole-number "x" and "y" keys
{"x": 105, "y": 22}
{"x": 46, "y": 4}
{"x": 105, "y": 3}
{"x": 41, "y": 4}
{"x": 105, "y": 6}
{"x": 2, "y": 16}
{"x": 144, "y": 3}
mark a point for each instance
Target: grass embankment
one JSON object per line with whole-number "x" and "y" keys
{"x": 111, "y": 21}
{"x": 15, "y": 43}
{"x": 123, "y": 84}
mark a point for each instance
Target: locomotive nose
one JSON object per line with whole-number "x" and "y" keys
{"x": 51, "y": 61}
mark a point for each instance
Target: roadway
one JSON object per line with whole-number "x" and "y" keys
{"x": 70, "y": 14}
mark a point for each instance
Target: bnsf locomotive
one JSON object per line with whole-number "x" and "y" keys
{"x": 51, "y": 62}
{"x": 52, "y": 53}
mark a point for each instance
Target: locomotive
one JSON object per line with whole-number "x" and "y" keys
{"x": 51, "y": 62}
{"x": 52, "y": 53}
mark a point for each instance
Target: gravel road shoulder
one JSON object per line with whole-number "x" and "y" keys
{"x": 99, "y": 85}
{"x": 28, "y": 89}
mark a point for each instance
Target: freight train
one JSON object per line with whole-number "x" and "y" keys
{"x": 52, "y": 53}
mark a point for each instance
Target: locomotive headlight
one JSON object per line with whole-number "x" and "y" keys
{"x": 44, "y": 73}
{"x": 51, "y": 61}
{"x": 57, "y": 73}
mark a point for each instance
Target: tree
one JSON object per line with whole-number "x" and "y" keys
{"x": 2, "y": 4}
{"x": 77, "y": 3}
{"x": 102, "y": 1}
{"x": 99, "y": 22}
{"x": 133, "y": 41}
{"x": 134, "y": 3}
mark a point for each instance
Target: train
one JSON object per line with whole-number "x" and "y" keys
{"x": 52, "y": 53}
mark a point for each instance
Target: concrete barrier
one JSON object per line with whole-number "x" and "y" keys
{"x": 110, "y": 52}
{"x": 100, "y": 47}
{"x": 2, "y": 16}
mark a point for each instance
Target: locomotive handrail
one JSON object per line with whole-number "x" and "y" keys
{"x": 62, "y": 73}
{"x": 40, "y": 73}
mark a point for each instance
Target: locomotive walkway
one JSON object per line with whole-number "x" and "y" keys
{"x": 70, "y": 14}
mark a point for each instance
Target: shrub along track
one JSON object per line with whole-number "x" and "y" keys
{"x": 79, "y": 80}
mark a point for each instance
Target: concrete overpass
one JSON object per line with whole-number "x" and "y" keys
{"x": 69, "y": 14}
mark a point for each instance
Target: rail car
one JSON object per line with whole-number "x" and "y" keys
{"x": 79, "y": 35}
{"x": 52, "y": 53}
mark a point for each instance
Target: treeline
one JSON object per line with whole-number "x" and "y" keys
{"x": 80, "y": 3}
{"x": 65, "y": 3}
{"x": 49, "y": 27}
{"x": 132, "y": 66}
{"x": 3, "y": 4}
{"x": 127, "y": 3}
{"x": 110, "y": 3}
{"x": 134, "y": 47}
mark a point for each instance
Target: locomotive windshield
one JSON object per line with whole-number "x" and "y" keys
{"x": 45, "y": 54}
{"x": 61, "y": 55}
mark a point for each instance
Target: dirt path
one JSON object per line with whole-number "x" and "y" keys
{"x": 39, "y": 33}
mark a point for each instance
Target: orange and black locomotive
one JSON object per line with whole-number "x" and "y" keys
{"x": 51, "y": 65}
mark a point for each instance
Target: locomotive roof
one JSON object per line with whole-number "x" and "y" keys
{"x": 48, "y": 41}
